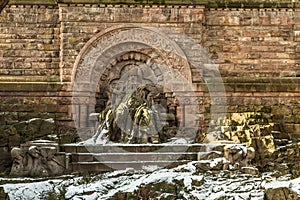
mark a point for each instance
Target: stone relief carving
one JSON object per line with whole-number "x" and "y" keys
{"x": 103, "y": 45}
{"x": 36, "y": 161}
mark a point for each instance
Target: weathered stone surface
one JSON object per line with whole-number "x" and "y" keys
{"x": 250, "y": 170}
{"x": 5, "y": 160}
{"x": 280, "y": 193}
{"x": 217, "y": 164}
{"x": 153, "y": 191}
{"x": 261, "y": 149}
{"x": 239, "y": 155}
{"x": 285, "y": 160}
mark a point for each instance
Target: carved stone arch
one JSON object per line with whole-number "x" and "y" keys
{"x": 102, "y": 45}
{"x": 105, "y": 48}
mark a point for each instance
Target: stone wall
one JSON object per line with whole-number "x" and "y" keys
{"x": 29, "y": 71}
{"x": 255, "y": 44}
{"x": 257, "y": 52}
{"x": 30, "y": 83}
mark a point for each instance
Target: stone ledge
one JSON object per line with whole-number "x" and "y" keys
{"x": 207, "y": 3}
{"x": 254, "y": 80}
{"x": 287, "y": 80}
{"x": 34, "y": 79}
{"x": 242, "y": 84}
{"x": 30, "y": 87}
{"x": 32, "y": 2}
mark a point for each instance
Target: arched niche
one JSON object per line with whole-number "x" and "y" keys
{"x": 109, "y": 50}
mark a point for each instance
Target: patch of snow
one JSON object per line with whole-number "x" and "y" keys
{"x": 21, "y": 179}
{"x": 53, "y": 136}
{"x": 34, "y": 191}
{"x": 188, "y": 182}
{"x": 214, "y": 162}
{"x": 293, "y": 184}
{"x": 31, "y": 120}
{"x": 32, "y": 147}
{"x": 164, "y": 195}
{"x": 40, "y": 141}
{"x": 150, "y": 168}
{"x": 94, "y": 114}
{"x": 178, "y": 141}
{"x": 50, "y": 120}
{"x": 97, "y": 139}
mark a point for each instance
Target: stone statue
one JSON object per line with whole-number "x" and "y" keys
{"x": 135, "y": 119}
{"x": 34, "y": 164}
{"x": 18, "y": 162}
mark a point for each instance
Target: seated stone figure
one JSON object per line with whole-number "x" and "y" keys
{"x": 35, "y": 165}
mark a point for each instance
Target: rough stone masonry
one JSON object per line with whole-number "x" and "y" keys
{"x": 255, "y": 45}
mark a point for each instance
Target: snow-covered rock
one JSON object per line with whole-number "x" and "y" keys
{"x": 182, "y": 182}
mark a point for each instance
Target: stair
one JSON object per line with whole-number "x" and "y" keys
{"x": 105, "y": 158}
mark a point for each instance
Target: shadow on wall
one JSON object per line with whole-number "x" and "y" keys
{"x": 3, "y": 3}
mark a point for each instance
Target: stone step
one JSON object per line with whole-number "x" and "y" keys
{"x": 110, "y": 157}
{"x": 123, "y": 148}
{"x": 209, "y": 155}
{"x": 96, "y": 167}
{"x": 280, "y": 135}
{"x": 281, "y": 142}
{"x": 136, "y": 157}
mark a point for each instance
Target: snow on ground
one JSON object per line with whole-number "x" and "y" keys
{"x": 196, "y": 185}
{"x": 34, "y": 190}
